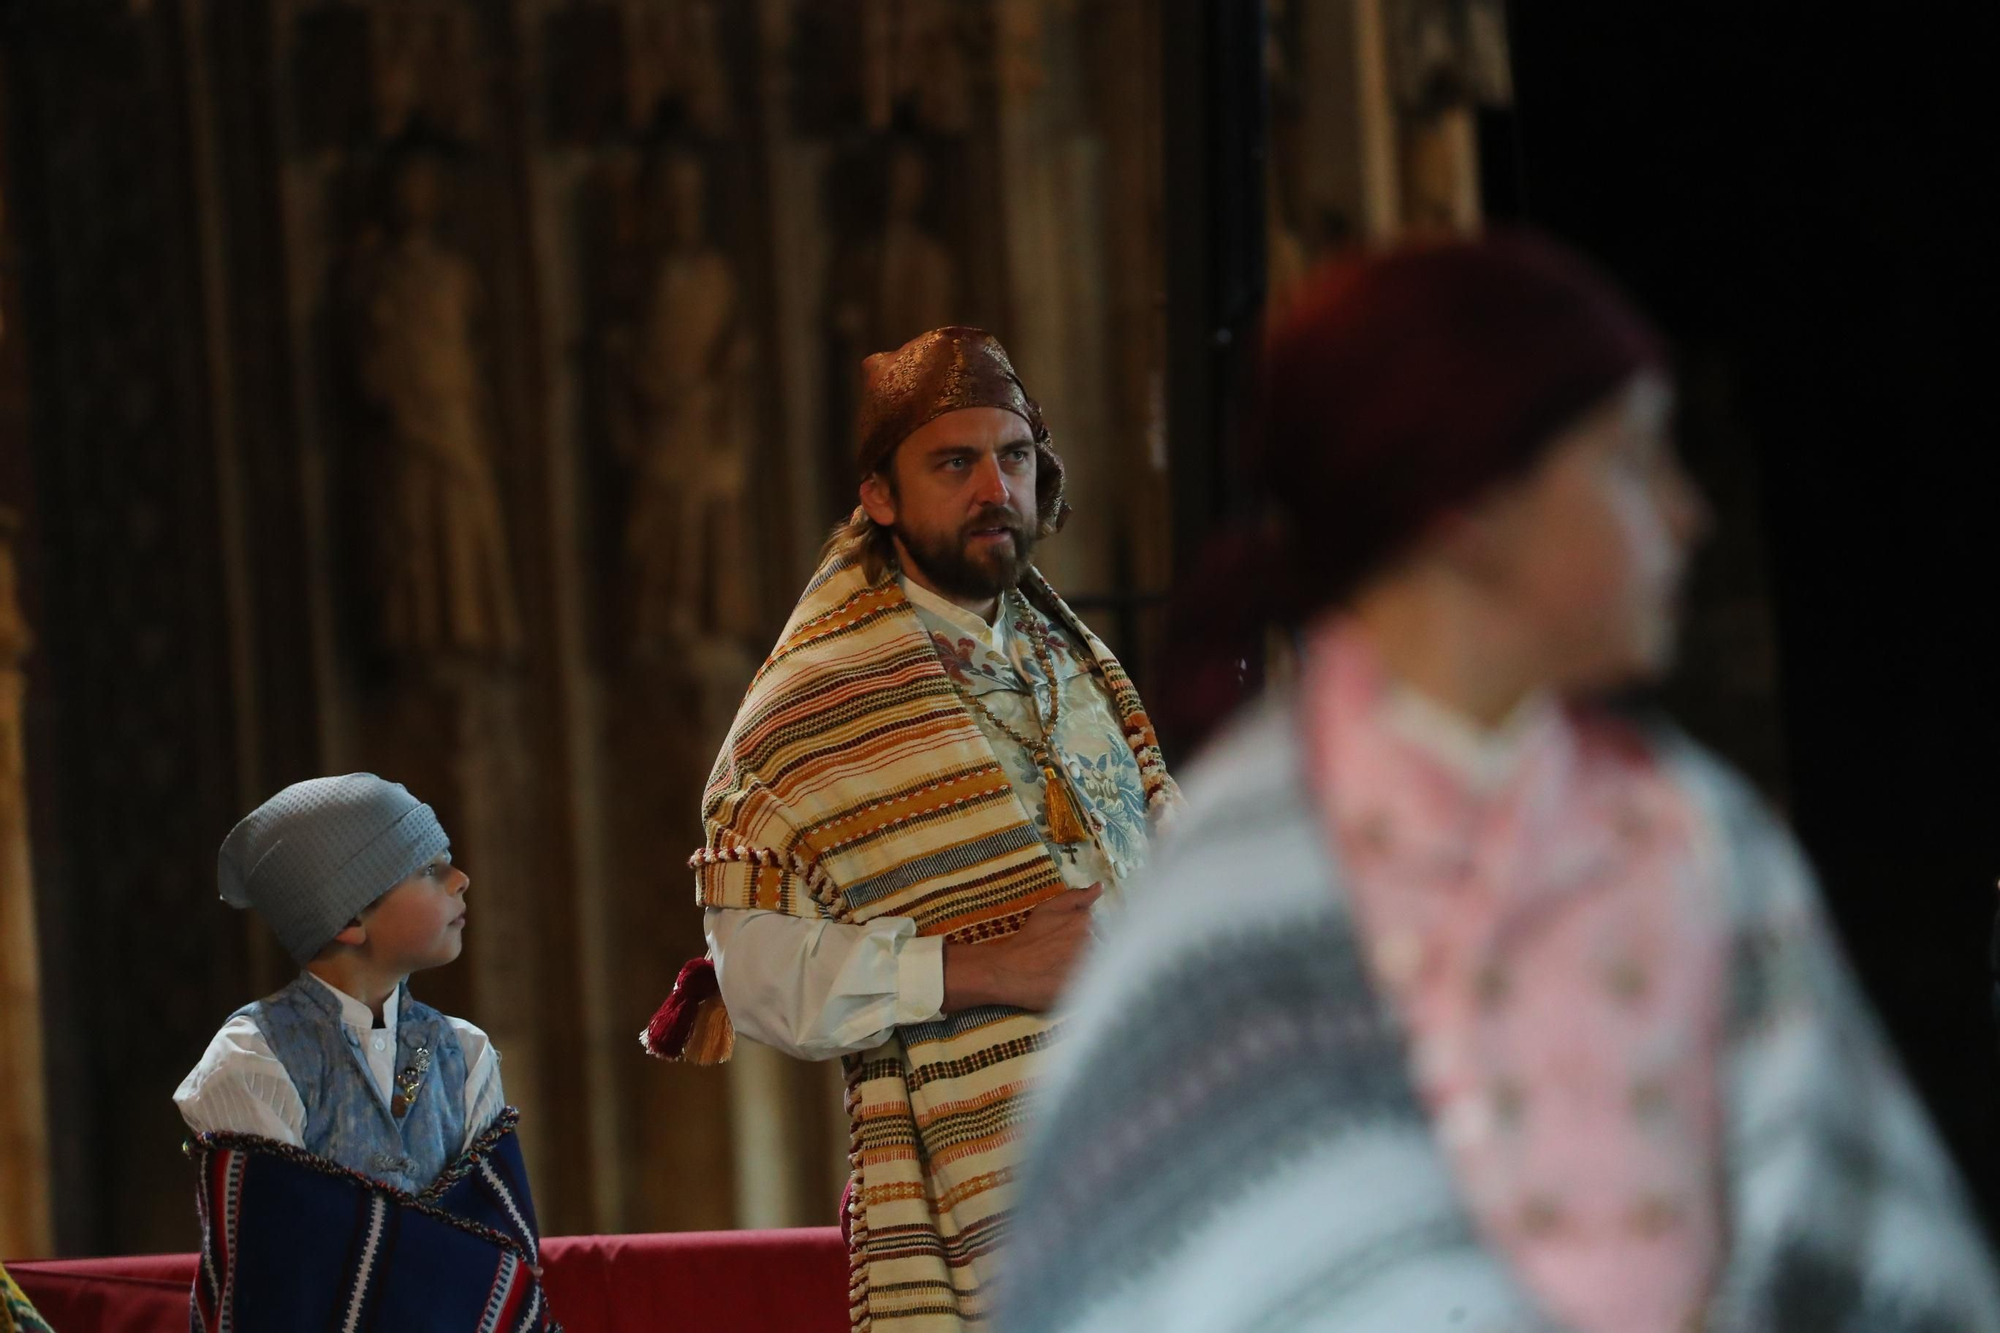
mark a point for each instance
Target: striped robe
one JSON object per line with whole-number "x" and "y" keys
{"x": 855, "y": 784}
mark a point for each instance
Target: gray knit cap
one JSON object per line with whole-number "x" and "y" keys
{"x": 310, "y": 858}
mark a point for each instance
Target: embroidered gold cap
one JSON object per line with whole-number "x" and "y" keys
{"x": 943, "y": 371}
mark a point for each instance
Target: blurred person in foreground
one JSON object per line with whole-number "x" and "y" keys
{"x": 1458, "y": 1000}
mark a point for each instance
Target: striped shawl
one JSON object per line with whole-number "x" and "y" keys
{"x": 854, "y": 784}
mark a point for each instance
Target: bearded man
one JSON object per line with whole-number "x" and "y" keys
{"x": 936, "y": 782}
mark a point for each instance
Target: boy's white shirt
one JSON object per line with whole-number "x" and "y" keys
{"x": 239, "y": 1087}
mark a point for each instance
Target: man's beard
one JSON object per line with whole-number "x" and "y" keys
{"x": 959, "y": 572}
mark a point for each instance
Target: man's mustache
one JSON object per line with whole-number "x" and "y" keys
{"x": 995, "y": 516}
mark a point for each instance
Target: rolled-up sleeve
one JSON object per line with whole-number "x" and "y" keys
{"x": 818, "y": 989}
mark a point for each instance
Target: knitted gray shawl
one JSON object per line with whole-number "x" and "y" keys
{"x": 1231, "y": 1139}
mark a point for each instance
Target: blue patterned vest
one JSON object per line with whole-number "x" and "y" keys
{"x": 348, "y": 1120}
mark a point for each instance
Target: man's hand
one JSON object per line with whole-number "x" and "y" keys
{"x": 1027, "y": 969}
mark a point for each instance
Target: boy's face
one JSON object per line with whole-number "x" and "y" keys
{"x": 421, "y": 922}
{"x": 1588, "y": 553}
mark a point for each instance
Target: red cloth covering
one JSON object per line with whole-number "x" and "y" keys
{"x": 745, "y": 1281}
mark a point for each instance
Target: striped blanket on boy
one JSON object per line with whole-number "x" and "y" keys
{"x": 291, "y": 1241}
{"x": 854, "y": 784}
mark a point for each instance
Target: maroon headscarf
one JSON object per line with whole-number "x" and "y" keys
{"x": 939, "y": 372}
{"x": 1407, "y": 384}
{"x": 1399, "y": 387}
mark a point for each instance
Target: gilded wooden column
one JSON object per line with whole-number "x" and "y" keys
{"x": 24, "y": 1129}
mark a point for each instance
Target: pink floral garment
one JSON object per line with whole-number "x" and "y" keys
{"x": 1546, "y": 922}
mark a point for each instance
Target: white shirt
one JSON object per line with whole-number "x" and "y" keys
{"x": 817, "y": 989}
{"x": 238, "y": 1086}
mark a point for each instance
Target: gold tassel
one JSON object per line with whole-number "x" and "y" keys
{"x": 713, "y": 1039}
{"x": 1065, "y": 823}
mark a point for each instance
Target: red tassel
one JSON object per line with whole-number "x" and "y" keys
{"x": 695, "y": 990}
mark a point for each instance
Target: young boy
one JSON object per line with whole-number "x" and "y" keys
{"x": 355, "y": 876}
{"x": 372, "y": 1125}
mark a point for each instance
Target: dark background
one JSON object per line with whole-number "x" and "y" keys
{"x": 1791, "y": 193}
{"x": 1794, "y": 195}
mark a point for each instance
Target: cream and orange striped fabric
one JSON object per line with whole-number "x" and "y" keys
{"x": 854, "y": 784}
